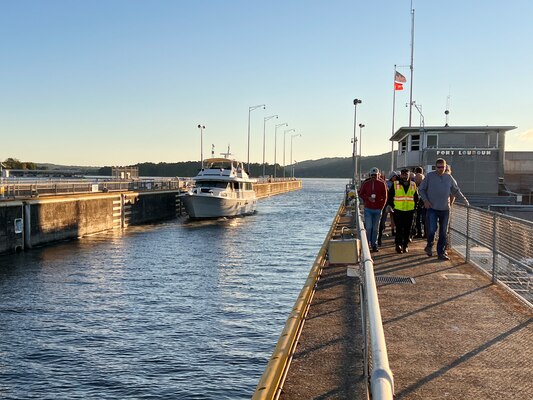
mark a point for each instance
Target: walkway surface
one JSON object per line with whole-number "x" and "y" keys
{"x": 450, "y": 335}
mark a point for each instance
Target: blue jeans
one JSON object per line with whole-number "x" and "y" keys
{"x": 442, "y": 217}
{"x": 372, "y": 218}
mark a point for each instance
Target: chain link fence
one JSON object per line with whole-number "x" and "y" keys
{"x": 499, "y": 244}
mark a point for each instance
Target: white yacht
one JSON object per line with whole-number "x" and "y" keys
{"x": 222, "y": 189}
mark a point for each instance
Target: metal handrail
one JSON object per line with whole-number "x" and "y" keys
{"x": 381, "y": 378}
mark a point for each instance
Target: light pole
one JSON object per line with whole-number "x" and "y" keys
{"x": 201, "y": 127}
{"x": 354, "y": 160}
{"x": 361, "y": 126}
{"x": 275, "y": 143}
{"x": 284, "y": 135}
{"x": 264, "y": 138}
{"x": 292, "y": 161}
{"x": 355, "y": 103}
{"x": 250, "y": 109}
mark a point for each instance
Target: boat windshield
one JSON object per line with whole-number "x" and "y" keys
{"x": 212, "y": 184}
{"x": 219, "y": 164}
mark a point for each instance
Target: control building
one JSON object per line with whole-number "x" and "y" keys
{"x": 476, "y": 154}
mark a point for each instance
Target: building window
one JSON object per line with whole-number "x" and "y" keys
{"x": 403, "y": 146}
{"x": 432, "y": 140}
{"x": 415, "y": 142}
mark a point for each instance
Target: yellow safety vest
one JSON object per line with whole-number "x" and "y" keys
{"x": 404, "y": 201}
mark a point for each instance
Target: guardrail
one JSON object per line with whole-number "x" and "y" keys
{"x": 376, "y": 361}
{"x": 271, "y": 382}
{"x": 499, "y": 244}
{"x": 12, "y": 189}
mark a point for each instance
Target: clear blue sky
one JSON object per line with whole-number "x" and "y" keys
{"x": 117, "y": 82}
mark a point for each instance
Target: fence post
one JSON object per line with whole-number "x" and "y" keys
{"x": 494, "y": 251}
{"x": 467, "y": 250}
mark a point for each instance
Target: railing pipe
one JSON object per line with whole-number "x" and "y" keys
{"x": 467, "y": 249}
{"x": 494, "y": 248}
{"x": 381, "y": 379}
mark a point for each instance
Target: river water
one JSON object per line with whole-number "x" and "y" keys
{"x": 176, "y": 310}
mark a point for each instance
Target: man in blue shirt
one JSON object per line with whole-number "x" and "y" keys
{"x": 435, "y": 191}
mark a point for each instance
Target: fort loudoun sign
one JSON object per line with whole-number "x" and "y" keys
{"x": 464, "y": 152}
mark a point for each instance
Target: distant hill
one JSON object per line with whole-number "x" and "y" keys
{"x": 340, "y": 167}
{"x": 337, "y": 167}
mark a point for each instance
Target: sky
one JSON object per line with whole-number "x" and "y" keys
{"x": 119, "y": 82}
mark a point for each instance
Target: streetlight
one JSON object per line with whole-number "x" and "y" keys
{"x": 264, "y": 138}
{"x": 284, "y": 135}
{"x": 355, "y": 103}
{"x": 292, "y": 162}
{"x": 275, "y": 143}
{"x": 201, "y": 127}
{"x": 250, "y": 109}
{"x": 361, "y": 126}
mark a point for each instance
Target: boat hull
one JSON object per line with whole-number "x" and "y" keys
{"x": 200, "y": 206}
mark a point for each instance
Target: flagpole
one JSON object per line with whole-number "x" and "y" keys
{"x": 393, "y": 113}
{"x": 412, "y": 56}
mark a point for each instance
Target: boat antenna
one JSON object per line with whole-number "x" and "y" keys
{"x": 228, "y": 154}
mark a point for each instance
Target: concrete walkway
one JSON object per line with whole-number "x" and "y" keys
{"x": 450, "y": 335}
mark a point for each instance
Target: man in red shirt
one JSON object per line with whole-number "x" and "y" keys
{"x": 373, "y": 192}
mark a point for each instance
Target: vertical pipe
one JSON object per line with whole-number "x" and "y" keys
{"x": 412, "y": 58}
{"x": 494, "y": 250}
{"x": 467, "y": 251}
{"x": 393, "y": 115}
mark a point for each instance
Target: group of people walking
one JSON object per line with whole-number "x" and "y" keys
{"x": 410, "y": 197}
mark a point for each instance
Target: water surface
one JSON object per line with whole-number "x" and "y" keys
{"x": 177, "y": 310}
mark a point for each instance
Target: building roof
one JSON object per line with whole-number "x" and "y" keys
{"x": 406, "y": 130}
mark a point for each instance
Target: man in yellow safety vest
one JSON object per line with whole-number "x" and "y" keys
{"x": 403, "y": 197}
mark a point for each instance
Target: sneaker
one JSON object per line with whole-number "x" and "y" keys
{"x": 375, "y": 249}
{"x": 405, "y": 249}
{"x": 398, "y": 249}
{"x": 428, "y": 251}
{"x": 444, "y": 257}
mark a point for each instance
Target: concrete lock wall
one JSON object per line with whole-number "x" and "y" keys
{"x": 272, "y": 188}
{"x": 52, "y": 219}
{"x": 46, "y": 220}
{"x": 11, "y": 227}
{"x": 141, "y": 208}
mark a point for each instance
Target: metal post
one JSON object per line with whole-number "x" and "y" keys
{"x": 250, "y": 109}
{"x": 355, "y": 103}
{"x": 264, "y": 138}
{"x": 494, "y": 250}
{"x": 467, "y": 251}
{"x": 291, "y": 160}
{"x": 284, "y": 135}
{"x": 275, "y": 144}
{"x": 201, "y": 127}
{"x": 361, "y": 126}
